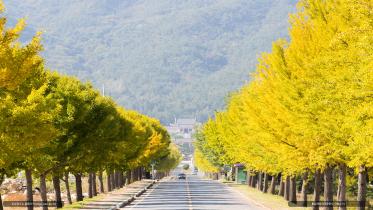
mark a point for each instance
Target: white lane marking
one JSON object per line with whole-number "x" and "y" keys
{"x": 190, "y": 205}
{"x": 143, "y": 197}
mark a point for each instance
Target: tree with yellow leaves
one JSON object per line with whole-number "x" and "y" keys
{"x": 308, "y": 108}
{"x": 25, "y": 114}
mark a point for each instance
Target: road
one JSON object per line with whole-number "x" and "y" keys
{"x": 192, "y": 194}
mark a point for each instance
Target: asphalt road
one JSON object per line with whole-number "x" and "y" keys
{"x": 192, "y": 193}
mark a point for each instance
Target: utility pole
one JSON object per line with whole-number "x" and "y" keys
{"x": 153, "y": 171}
{"x": 103, "y": 90}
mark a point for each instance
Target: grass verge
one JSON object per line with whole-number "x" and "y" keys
{"x": 80, "y": 204}
{"x": 273, "y": 201}
{"x": 268, "y": 200}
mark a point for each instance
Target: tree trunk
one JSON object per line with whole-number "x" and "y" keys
{"x": 272, "y": 187}
{"x": 1, "y": 202}
{"x": 67, "y": 185}
{"x": 304, "y": 189}
{"x": 265, "y": 187}
{"x": 30, "y": 200}
{"x": 108, "y": 181}
{"x": 253, "y": 181}
{"x": 137, "y": 174}
{"x": 341, "y": 194}
{"x": 140, "y": 173}
{"x": 90, "y": 192}
{"x": 132, "y": 176}
{"x": 317, "y": 189}
{"x": 117, "y": 177}
{"x": 78, "y": 184}
{"x": 94, "y": 184}
{"x": 100, "y": 179}
{"x": 248, "y": 178}
{"x": 113, "y": 180}
{"x": 260, "y": 181}
{"x": 57, "y": 191}
{"x": 362, "y": 188}
{"x": 117, "y": 181}
{"x": 122, "y": 179}
{"x": 328, "y": 186}
{"x": 281, "y": 191}
{"x": 128, "y": 177}
{"x": 293, "y": 190}
{"x": 43, "y": 192}
{"x": 287, "y": 188}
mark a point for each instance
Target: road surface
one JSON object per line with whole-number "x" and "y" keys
{"x": 192, "y": 193}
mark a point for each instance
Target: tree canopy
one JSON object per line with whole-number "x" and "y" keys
{"x": 309, "y": 104}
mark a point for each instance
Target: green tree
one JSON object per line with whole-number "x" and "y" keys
{"x": 170, "y": 161}
{"x": 25, "y": 114}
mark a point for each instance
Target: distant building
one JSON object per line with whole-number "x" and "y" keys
{"x": 183, "y": 126}
{"x": 182, "y": 131}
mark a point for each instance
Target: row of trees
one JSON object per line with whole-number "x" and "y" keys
{"x": 52, "y": 125}
{"x": 308, "y": 110}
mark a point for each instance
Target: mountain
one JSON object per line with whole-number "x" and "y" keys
{"x": 165, "y": 58}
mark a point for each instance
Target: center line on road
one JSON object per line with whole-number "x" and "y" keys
{"x": 189, "y": 195}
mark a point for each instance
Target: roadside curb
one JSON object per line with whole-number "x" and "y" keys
{"x": 133, "y": 197}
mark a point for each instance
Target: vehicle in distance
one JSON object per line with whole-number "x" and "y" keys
{"x": 181, "y": 176}
{"x": 195, "y": 171}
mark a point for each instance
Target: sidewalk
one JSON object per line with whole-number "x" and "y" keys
{"x": 115, "y": 199}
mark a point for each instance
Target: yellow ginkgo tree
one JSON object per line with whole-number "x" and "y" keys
{"x": 308, "y": 107}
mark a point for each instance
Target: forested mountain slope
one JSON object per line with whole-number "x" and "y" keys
{"x": 164, "y": 58}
